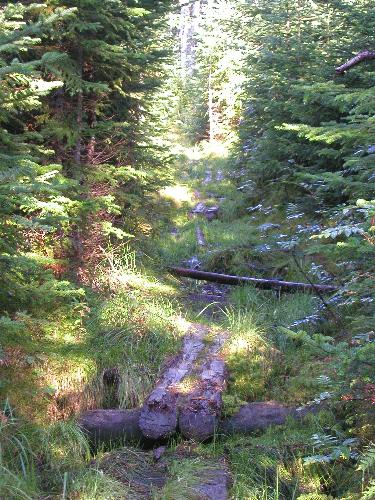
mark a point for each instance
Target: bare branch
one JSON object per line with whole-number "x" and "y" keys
{"x": 360, "y": 57}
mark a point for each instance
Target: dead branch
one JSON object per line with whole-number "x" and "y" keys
{"x": 360, "y": 57}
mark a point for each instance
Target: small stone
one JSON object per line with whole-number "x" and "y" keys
{"x": 159, "y": 452}
{"x": 267, "y": 226}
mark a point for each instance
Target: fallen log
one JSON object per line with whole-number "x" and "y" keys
{"x": 267, "y": 284}
{"x": 103, "y": 426}
{"x": 159, "y": 414}
{"x": 260, "y": 415}
{"x": 112, "y": 425}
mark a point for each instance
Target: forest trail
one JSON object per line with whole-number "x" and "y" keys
{"x": 187, "y": 399}
{"x": 186, "y": 402}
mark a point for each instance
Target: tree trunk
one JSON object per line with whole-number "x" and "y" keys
{"x": 211, "y": 108}
{"x": 77, "y": 155}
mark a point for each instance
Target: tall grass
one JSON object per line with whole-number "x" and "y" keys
{"x": 54, "y": 461}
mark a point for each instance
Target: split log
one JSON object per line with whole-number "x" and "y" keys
{"x": 212, "y": 480}
{"x": 220, "y": 176}
{"x": 200, "y": 409}
{"x": 136, "y": 469}
{"x": 202, "y": 209}
{"x": 158, "y": 418}
{"x": 144, "y": 477}
{"x": 208, "y": 177}
{"x": 360, "y": 57}
{"x": 267, "y": 284}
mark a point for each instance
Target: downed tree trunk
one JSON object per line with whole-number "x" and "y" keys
{"x": 360, "y": 57}
{"x": 158, "y": 418}
{"x": 111, "y": 425}
{"x": 257, "y": 416}
{"x": 226, "y": 279}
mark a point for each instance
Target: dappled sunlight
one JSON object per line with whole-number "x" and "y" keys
{"x": 178, "y": 195}
{"x": 121, "y": 279}
{"x": 187, "y": 385}
{"x": 215, "y": 149}
{"x": 182, "y": 324}
{"x": 148, "y": 150}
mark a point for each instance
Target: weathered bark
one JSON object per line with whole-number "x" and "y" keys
{"x": 107, "y": 425}
{"x": 360, "y": 57}
{"x": 159, "y": 414}
{"x": 256, "y": 416}
{"x": 201, "y": 410}
{"x": 111, "y": 425}
{"x": 225, "y": 279}
{"x": 212, "y": 481}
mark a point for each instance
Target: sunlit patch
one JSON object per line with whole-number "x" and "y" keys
{"x": 122, "y": 279}
{"x": 238, "y": 345}
{"x": 177, "y": 194}
{"x": 182, "y": 324}
{"x": 145, "y": 228}
{"x": 216, "y": 148}
{"x": 187, "y": 385}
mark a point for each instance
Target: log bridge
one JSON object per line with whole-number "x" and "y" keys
{"x": 187, "y": 399}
